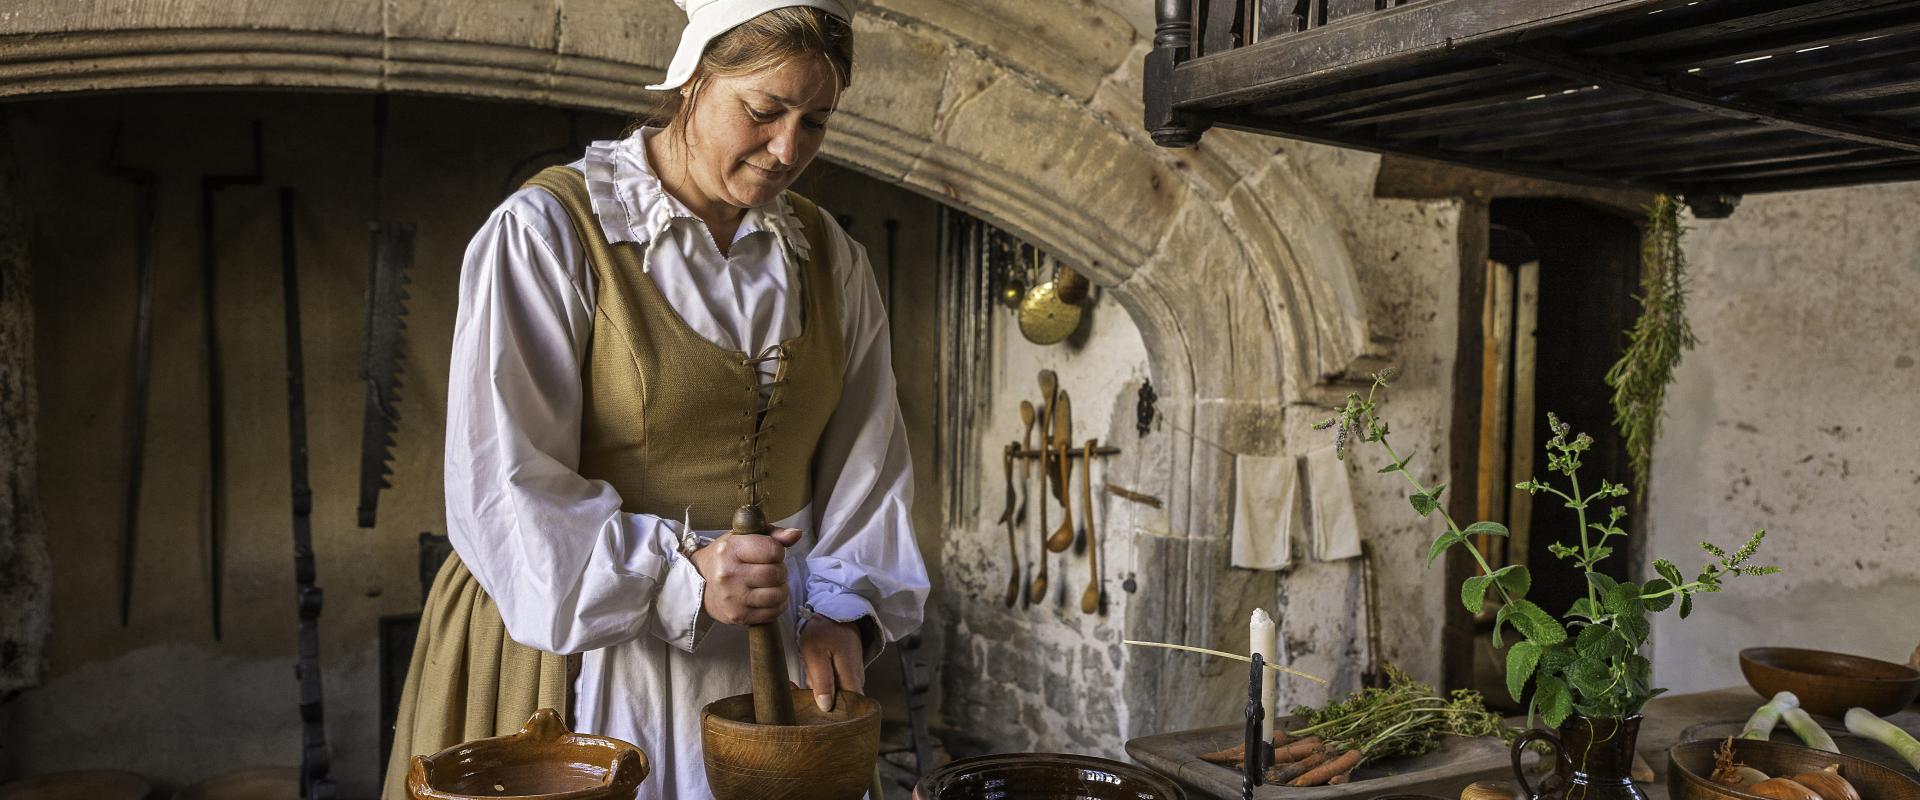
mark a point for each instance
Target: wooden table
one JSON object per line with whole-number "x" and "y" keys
{"x": 1444, "y": 773}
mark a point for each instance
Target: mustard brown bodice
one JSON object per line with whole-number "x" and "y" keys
{"x": 674, "y": 421}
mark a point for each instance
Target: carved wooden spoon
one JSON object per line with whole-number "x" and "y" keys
{"x": 1090, "y": 600}
{"x": 1026, "y": 465}
{"x": 1013, "y": 549}
{"x": 1062, "y": 537}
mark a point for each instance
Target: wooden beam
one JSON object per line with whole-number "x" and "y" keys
{"x": 1382, "y": 40}
{"x": 1688, "y": 92}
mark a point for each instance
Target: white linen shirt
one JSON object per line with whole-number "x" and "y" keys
{"x": 573, "y": 573}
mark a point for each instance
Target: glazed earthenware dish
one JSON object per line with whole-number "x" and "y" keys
{"x": 543, "y": 761}
{"x": 1690, "y": 767}
{"x": 1043, "y": 776}
{"x": 1830, "y": 683}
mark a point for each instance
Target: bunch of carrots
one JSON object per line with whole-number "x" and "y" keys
{"x": 1405, "y": 718}
{"x": 1307, "y": 761}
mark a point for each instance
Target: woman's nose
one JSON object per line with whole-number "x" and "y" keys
{"x": 785, "y": 145}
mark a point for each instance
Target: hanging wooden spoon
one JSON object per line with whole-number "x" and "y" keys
{"x": 1089, "y": 600}
{"x": 1026, "y": 466}
{"x": 1062, "y": 537}
{"x": 1013, "y": 548}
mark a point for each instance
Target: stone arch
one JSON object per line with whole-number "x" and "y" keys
{"x": 1241, "y": 285}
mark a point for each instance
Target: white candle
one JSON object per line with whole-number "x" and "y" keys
{"x": 1263, "y": 636}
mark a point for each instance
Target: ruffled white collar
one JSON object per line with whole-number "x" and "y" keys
{"x": 631, "y": 205}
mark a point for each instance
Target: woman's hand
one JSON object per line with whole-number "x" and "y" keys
{"x": 746, "y": 576}
{"x": 834, "y": 659}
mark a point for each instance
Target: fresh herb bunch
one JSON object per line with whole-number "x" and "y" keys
{"x": 1406, "y": 718}
{"x": 1588, "y": 660}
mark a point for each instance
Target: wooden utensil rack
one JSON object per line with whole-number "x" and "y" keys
{"x": 1072, "y": 452}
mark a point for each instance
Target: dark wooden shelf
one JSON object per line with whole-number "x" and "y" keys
{"x": 1710, "y": 99}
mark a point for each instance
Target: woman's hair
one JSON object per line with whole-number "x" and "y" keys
{"x": 763, "y": 43}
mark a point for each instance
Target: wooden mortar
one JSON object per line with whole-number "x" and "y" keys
{"x": 776, "y": 743}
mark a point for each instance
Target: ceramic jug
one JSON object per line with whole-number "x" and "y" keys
{"x": 1592, "y": 759}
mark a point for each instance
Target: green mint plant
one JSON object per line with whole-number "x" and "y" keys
{"x": 1588, "y": 660}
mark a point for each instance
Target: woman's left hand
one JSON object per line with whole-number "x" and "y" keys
{"x": 834, "y": 659}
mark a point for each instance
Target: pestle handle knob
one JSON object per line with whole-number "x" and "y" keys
{"x": 772, "y": 700}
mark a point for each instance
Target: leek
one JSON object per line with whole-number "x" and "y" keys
{"x": 1809, "y": 731}
{"x": 1865, "y": 724}
{"x": 1760, "y": 726}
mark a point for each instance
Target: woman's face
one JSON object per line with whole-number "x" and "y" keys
{"x": 750, "y": 136}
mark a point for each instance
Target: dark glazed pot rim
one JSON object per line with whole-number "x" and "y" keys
{"x": 951, "y": 773}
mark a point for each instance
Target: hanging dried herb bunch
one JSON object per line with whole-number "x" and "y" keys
{"x": 1658, "y": 338}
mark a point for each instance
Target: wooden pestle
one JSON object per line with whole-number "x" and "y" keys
{"x": 772, "y": 700}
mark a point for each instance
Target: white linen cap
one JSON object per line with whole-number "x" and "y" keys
{"x": 709, "y": 18}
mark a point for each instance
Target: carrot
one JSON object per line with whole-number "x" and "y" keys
{"x": 1339, "y": 779}
{"x": 1280, "y": 736}
{"x": 1319, "y": 775}
{"x": 1230, "y": 755}
{"x": 1295, "y": 750}
{"x": 1298, "y": 768}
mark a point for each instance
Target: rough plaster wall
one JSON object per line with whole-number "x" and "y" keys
{"x": 161, "y": 697}
{"x": 1795, "y": 415}
{"x": 1407, "y": 254}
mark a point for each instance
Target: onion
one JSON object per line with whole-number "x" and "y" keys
{"x": 1746, "y": 776}
{"x": 1828, "y": 784}
{"x": 1783, "y": 789}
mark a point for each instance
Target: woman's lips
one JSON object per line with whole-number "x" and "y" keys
{"x": 764, "y": 173}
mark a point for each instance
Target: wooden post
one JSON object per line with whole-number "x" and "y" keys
{"x": 26, "y": 574}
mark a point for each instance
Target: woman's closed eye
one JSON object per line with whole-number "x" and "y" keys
{"x": 764, "y": 117}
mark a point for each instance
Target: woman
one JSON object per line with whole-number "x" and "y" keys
{"x": 648, "y": 339}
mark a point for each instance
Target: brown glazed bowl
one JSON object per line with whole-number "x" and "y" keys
{"x": 1044, "y": 776}
{"x": 1690, "y": 767}
{"x": 1830, "y": 683}
{"x": 544, "y": 761}
{"x": 93, "y": 784}
{"x": 829, "y": 755}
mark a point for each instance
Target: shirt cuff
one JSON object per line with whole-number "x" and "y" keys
{"x": 679, "y": 606}
{"x": 846, "y": 606}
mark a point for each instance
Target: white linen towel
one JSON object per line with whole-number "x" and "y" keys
{"x": 1265, "y": 507}
{"x": 1336, "y": 531}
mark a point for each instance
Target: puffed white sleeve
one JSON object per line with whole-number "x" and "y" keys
{"x": 865, "y": 563}
{"x": 567, "y": 568}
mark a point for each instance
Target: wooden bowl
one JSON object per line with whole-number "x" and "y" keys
{"x": 830, "y": 755}
{"x": 1044, "y": 776}
{"x": 92, "y": 784}
{"x": 260, "y": 783}
{"x": 543, "y": 760}
{"x": 1690, "y": 767}
{"x": 1830, "y": 683}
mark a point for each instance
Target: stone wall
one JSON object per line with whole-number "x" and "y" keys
{"x": 1794, "y": 414}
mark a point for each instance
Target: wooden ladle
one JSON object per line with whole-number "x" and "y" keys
{"x": 1013, "y": 549}
{"x": 1090, "y": 599}
{"x": 1062, "y": 537}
